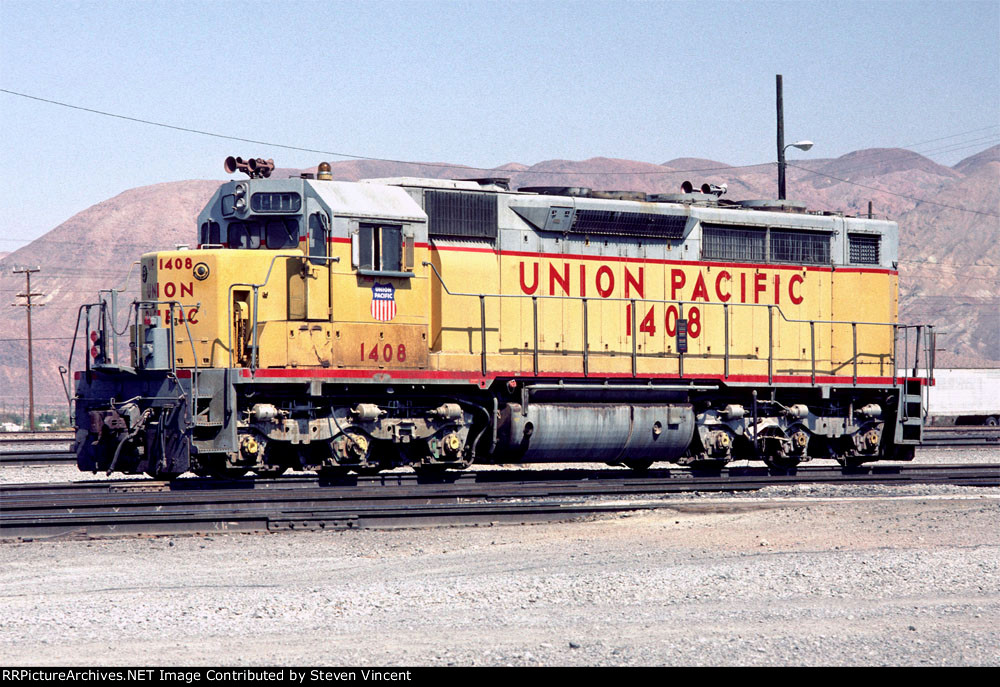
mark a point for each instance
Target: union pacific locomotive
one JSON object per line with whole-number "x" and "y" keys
{"x": 333, "y": 326}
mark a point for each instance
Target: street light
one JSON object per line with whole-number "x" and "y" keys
{"x": 801, "y": 145}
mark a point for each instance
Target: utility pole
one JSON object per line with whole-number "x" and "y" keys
{"x": 28, "y": 305}
{"x": 781, "y": 140}
{"x": 801, "y": 145}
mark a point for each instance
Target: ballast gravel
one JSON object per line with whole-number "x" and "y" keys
{"x": 70, "y": 473}
{"x": 787, "y": 576}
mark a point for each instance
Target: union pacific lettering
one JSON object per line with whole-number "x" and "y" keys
{"x": 723, "y": 286}
{"x": 180, "y": 315}
{"x": 172, "y": 290}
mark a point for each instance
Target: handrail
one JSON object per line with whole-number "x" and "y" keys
{"x": 114, "y": 310}
{"x": 661, "y": 301}
{"x": 138, "y": 305}
{"x": 255, "y": 287}
{"x": 681, "y": 303}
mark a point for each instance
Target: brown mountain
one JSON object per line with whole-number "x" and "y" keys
{"x": 693, "y": 163}
{"x": 92, "y": 250}
{"x": 950, "y": 258}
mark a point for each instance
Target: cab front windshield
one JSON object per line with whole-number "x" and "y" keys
{"x": 274, "y": 233}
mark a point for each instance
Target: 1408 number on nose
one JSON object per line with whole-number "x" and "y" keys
{"x": 385, "y": 353}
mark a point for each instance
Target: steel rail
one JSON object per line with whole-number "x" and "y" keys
{"x": 961, "y": 436}
{"x": 972, "y": 436}
{"x": 21, "y": 438}
{"x": 139, "y": 506}
{"x": 26, "y": 458}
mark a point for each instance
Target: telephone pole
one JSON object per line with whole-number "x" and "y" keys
{"x": 801, "y": 145}
{"x": 28, "y": 305}
{"x": 781, "y": 138}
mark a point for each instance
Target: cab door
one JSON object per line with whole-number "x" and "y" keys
{"x": 309, "y": 280}
{"x": 318, "y": 289}
{"x": 309, "y": 336}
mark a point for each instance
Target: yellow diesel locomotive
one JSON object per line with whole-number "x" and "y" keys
{"x": 332, "y": 326}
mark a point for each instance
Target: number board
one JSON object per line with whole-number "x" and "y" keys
{"x": 380, "y": 346}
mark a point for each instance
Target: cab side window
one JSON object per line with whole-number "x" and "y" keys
{"x": 210, "y": 233}
{"x": 381, "y": 247}
{"x": 317, "y": 236}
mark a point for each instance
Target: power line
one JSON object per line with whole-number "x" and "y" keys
{"x": 961, "y": 145}
{"x": 892, "y": 193}
{"x": 350, "y": 155}
{"x": 942, "y": 138}
{"x": 447, "y": 166}
{"x": 900, "y": 155}
{"x": 429, "y": 164}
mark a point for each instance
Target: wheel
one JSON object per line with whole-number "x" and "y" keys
{"x": 165, "y": 476}
{"x": 368, "y": 471}
{"x": 430, "y": 470}
{"x": 334, "y": 474}
{"x": 853, "y": 461}
{"x": 781, "y": 462}
{"x": 215, "y": 467}
{"x": 775, "y": 452}
{"x": 707, "y": 465}
{"x": 992, "y": 421}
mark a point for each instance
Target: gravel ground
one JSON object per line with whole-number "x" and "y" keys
{"x": 788, "y": 576}
{"x": 69, "y": 473}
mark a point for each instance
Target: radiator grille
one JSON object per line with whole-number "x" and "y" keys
{"x": 800, "y": 247}
{"x": 461, "y": 215}
{"x": 864, "y": 249}
{"x": 615, "y": 223}
{"x": 727, "y": 243}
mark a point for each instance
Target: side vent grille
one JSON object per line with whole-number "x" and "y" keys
{"x": 865, "y": 249}
{"x": 800, "y": 247}
{"x": 614, "y": 223}
{"x": 455, "y": 214}
{"x": 726, "y": 243}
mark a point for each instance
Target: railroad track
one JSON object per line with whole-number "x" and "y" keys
{"x": 22, "y": 439}
{"x": 12, "y": 453}
{"x": 959, "y": 436}
{"x": 84, "y": 509}
{"x": 37, "y": 458}
{"x": 37, "y": 448}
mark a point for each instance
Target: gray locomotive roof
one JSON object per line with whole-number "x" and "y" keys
{"x": 341, "y": 198}
{"x": 531, "y": 205}
{"x": 448, "y": 184}
{"x": 552, "y": 215}
{"x": 368, "y": 200}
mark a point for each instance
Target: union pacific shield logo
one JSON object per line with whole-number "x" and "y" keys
{"x": 383, "y": 302}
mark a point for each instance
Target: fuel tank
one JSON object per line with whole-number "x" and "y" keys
{"x": 561, "y": 432}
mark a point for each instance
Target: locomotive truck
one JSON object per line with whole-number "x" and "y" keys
{"x": 338, "y": 326}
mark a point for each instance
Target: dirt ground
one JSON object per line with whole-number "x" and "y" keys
{"x": 809, "y": 576}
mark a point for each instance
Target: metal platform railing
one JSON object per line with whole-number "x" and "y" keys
{"x": 924, "y": 336}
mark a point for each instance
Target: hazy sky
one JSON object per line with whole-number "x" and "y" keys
{"x": 480, "y": 83}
